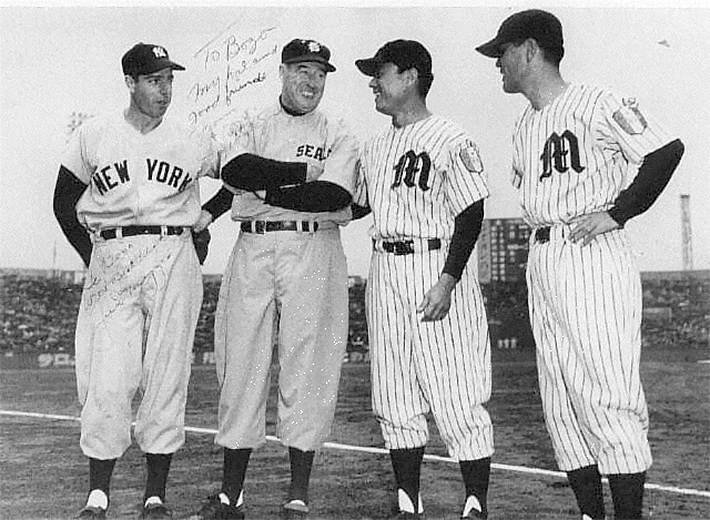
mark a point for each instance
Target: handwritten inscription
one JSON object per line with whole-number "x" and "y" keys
{"x": 231, "y": 64}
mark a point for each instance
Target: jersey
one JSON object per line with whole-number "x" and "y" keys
{"x": 419, "y": 177}
{"x": 312, "y": 138}
{"x": 138, "y": 179}
{"x": 575, "y": 155}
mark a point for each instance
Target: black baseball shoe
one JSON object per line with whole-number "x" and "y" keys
{"x": 155, "y": 511}
{"x": 295, "y": 509}
{"x": 472, "y": 510}
{"x": 214, "y": 509}
{"x": 92, "y": 512}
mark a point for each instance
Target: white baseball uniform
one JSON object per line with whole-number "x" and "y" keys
{"x": 298, "y": 278}
{"x": 142, "y": 294}
{"x": 571, "y": 158}
{"x": 417, "y": 179}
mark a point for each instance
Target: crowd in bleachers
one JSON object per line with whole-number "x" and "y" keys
{"x": 39, "y": 315}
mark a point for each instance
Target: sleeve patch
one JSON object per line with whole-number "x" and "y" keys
{"x": 630, "y": 118}
{"x": 470, "y": 157}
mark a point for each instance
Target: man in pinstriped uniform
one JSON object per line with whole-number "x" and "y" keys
{"x": 576, "y": 149}
{"x": 424, "y": 181}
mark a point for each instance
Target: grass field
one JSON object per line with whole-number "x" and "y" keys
{"x": 44, "y": 474}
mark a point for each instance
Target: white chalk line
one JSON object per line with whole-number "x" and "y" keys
{"x": 381, "y": 451}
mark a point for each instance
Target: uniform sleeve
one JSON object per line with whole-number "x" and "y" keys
{"x": 77, "y": 156}
{"x": 209, "y": 150}
{"x": 466, "y": 182}
{"x": 341, "y": 164}
{"x": 360, "y": 192}
{"x": 624, "y": 124}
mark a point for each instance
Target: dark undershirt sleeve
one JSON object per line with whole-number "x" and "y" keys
{"x": 467, "y": 227}
{"x": 219, "y": 204}
{"x": 360, "y": 211}
{"x": 67, "y": 192}
{"x": 653, "y": 176}
{"x": 252, "y": 173}
{"x": 311, "y": 197}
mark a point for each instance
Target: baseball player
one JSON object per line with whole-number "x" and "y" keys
{"x": 576, "y": 150}
{"x": 291, "y": 178}
{"x": 126, "y": 197}
{"x": 423, "y": 179}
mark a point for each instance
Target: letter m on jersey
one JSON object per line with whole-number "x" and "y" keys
{"x": 412, "y": 169}
{"x": 561, "y": 152}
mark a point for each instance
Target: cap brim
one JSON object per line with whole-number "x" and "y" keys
{"x": 326, "y": 64}
{"x": 491, "y": 48}
{"x": 368, "y": 67}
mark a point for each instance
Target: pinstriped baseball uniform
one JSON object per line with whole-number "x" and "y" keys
{"x": 142, "y": 294}
{"x": 571, "y": 158}
{"x": 300, "y": 276}
{"x": 417, "y": 179}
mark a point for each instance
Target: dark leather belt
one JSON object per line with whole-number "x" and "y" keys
{"x": 264, "y": 226}
{"x": 406, "y": 247}
{"x": 130, "y": 231}
{"x": 542, "y": 234}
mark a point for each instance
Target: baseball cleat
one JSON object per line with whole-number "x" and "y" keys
{"x": 473, "y": 509}
{"x": 215, "y": 508}
{"x": 295, "y": 509}
{"x": 155, "y": 511}
{"x": 92, "y": 512}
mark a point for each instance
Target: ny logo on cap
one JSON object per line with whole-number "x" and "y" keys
{"x": 159, "y": 52}
{"x": 313, "y": 46}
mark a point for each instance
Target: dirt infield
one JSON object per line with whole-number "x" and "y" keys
{"x": 44, "y": 474}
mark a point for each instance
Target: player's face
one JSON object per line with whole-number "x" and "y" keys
{"x": 151, "y": 93}
{"x": 302, "y": 86}
{"x": 510, "y": 63}
{"x": 389, "y": 86}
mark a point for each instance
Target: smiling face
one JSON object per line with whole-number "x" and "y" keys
{"x": 302, "y": 86}
{"x": 389, "y": 86}
{"x": 151, "y": 93}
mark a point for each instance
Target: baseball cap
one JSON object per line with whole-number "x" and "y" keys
{"x": 539, "y": 25}
{"x": 146, "y": 58}
{"x": 406, "y": 54}
{"x": 299, "y": 51}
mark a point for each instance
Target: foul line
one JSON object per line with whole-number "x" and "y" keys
{"x": 381, "y": 451}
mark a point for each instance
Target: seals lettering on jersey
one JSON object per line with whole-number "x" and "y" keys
{"x": 409, "y": 165}
{"x": 315, "y": 152}
{"x": 630, "y": 118}
{"x": 470, "y": 157}
{"x": 105, "y": 182}
{"x": 561, "y": 152}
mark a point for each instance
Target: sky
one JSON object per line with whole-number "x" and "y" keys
{"x": 56, "y": 60}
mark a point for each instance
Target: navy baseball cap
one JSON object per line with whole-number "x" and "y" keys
{"x": 299, "y": 51}
{"x": 539, "y": 25}
{"x": 146, "y": 58}
{"x": 406, "y": 54}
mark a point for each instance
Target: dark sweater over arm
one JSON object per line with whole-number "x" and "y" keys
{"x": 252, "y": 172}
{"x": 219, "y": 204}
{"x": 467, "y": 227}
{"x": 311, "y": 197}
{"x": 652, "y": 178}
{"x": 67, "y": 192}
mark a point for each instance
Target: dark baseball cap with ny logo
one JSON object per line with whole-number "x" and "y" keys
{"x": 146, "y": 58}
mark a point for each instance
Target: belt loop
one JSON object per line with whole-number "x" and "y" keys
{"x": 163, "y": 231}
{"x": 119, "y": 232}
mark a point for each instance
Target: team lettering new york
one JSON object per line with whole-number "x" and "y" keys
{"x": 116, "y": 174}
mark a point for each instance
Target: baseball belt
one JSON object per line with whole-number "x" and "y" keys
{"x": 406, "y": 247}
{"x": 542, "y": 234}
{"x": 130, "y": 231}
{"x": 265, "y": 226}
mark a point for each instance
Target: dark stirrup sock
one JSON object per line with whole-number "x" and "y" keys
{"x": 234, "y": 471}
{"x": 301, "y": 465}
{"x": 627, "y": 495}
{"x": 586, "y": 484}
{"x": 407, "y": 466}
{"x": 476, "y": 475}
{"x": 100, "y": 472}
{"x": 158, "y": 465}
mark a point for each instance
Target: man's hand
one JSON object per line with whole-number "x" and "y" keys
{"x": 437, "y": 300}
{"x": 203, "y": 221}
{"x": 587, "y": 227}
{"x": 313, "y": 171}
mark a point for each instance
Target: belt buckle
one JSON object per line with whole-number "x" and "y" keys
{"x": 403, "y": 248}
